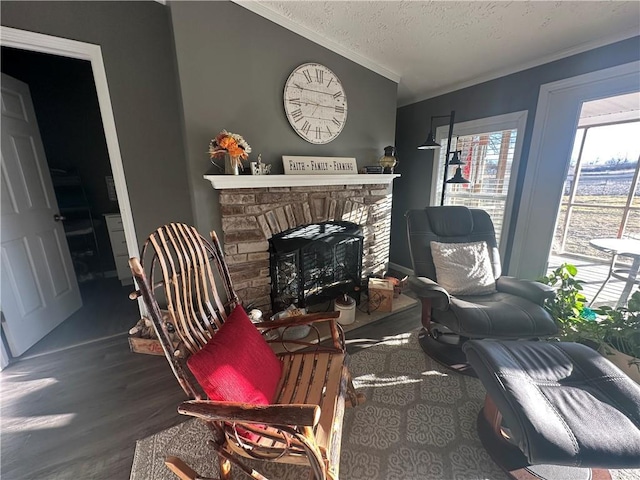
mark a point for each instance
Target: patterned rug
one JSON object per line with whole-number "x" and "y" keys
{"x": 419, "y": 423}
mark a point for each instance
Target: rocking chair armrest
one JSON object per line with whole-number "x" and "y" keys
{"x": 217, "y": 411}
{"x": 298, "y": 320}
{"x": 337, "y": 334}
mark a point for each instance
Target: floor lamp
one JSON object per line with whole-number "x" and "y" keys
{"x": 431, "y": 144}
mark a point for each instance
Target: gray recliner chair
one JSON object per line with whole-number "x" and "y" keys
{"x": 513, "y": 311}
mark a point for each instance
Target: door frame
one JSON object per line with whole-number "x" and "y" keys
{"x": 63, "y": 47}
{"x": 37, "y": 42}
{"x": 556, "y": 120}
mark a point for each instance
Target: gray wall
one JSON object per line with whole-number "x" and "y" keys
{"x": 508, "y": 94}
{"x": 137, "y": 49}
{"x": 233, "y": 65}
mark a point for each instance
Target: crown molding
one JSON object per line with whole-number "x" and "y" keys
{"x": 584, "y": 47}
{"x": 284, "y": 22}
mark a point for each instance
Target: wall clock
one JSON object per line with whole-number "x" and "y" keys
{"x": 315, "y": 103}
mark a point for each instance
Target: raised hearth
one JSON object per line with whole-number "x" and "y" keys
{"x": 254, "y": 208}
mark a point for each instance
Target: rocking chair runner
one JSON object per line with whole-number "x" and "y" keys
{"x": 303, "y": 423}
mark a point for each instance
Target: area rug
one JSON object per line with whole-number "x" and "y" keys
{"x": 419, "y": 423}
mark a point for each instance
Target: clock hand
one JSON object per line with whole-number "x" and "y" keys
{"x": 318, "y": 105}
{"x": 314, "y": 91}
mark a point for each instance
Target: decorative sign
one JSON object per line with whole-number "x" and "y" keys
{"x": 319, "y": 165}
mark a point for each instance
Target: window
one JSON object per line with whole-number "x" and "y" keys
{"x": 600, "y": 196}
{"x": 491, "y": 150}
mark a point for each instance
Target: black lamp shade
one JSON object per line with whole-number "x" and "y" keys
{"x": 455, "y": 159}
{"x": 429, "y": 143}
{"x": 457, "y": 177}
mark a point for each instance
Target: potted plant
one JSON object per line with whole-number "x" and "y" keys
{"x": 614, "y": 332}
{"x": 619, "y": 333}
{"x": 568, "y": 305}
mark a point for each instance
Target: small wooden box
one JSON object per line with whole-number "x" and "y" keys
{"x": 380, "y": 295}
{"x": 150, "y": 346}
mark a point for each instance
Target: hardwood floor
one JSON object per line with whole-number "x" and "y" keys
{"x": 106, "y": 312}
{"x": 77, "y": 413}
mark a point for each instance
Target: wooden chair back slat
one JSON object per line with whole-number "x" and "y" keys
{"x": 202, "y": 293}
{"x": 174, "y": 306}
{"x": 183, "y": 287}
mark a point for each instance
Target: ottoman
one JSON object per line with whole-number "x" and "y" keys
{"x": 555, "y": 409}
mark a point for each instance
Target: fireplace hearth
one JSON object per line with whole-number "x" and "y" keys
{"x": 313, "y": 263}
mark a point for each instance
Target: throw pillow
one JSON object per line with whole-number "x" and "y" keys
{"x": 463, "y": 268}
{"x": 237, "y": 364}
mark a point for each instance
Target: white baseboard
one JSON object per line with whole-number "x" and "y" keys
{"x": 400, "y": 268}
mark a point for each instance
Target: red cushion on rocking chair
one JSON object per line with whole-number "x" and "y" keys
{"x": 237, "y": 364}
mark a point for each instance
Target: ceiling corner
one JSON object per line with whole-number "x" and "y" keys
{"x": 284, "y": 22}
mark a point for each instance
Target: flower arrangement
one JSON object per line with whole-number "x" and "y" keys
{"x": 232, "y": 144}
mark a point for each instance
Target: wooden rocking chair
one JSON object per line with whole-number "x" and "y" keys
{"x": 303, "y": 423}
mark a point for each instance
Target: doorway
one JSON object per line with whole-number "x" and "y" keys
{"x": 600, "y": 194}
{"x": 72, "y": 69}
{"x": 557, "y": 115}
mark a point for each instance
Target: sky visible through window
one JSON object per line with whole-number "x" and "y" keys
{"x": 621, "y": 141}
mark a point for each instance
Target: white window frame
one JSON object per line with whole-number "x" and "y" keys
{"x": 509, "y": 121}
{"x": 556, "y": 119}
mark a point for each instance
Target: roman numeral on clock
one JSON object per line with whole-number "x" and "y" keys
{"x": 339, "y": 109}
{"x": 319, "y": 75}
{"x": 307, "y": 75}
{"x": 294, "y": 101}
{"x": 306, "y": 127}
{"x": 336, "y": 121}
{"x": 318, "y": 132}
{"x": 297, "y": 114}
{"x": 337, "y": 95}
{"x": 332, "y": 79}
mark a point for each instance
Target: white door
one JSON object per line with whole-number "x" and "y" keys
{"x": 39, "y": 286}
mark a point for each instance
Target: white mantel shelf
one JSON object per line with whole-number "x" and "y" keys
{"x": 224, "y": 182}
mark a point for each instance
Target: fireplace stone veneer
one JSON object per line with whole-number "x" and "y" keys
{"x": 254, "y": 208}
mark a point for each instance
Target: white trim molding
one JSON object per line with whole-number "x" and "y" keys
{"x": 224, "y": 182}
{"x": 37, "y": 42}
{"x": 554, "y": 129}
{"x": 601, "y": 42}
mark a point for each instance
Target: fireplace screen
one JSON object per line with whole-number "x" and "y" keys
{"x": 312, "y": 263}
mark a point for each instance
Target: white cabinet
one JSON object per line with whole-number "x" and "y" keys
{"x": 119, "y": 247}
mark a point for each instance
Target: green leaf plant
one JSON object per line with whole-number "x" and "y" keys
{"x": 602, "y": 327}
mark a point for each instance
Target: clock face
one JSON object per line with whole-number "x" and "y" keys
{"x": 315, "y": 103}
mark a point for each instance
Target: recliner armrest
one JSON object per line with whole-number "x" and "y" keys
{"x": 535, "y": 291}
{"x": 426, "y": 288}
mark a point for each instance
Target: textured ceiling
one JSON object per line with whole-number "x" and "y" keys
{"x": 435, "y": 47}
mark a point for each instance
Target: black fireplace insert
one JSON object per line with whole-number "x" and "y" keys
{"x": 312, "y": 263}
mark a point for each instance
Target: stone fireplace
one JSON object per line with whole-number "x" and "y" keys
{"x": 255, "y": 208}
